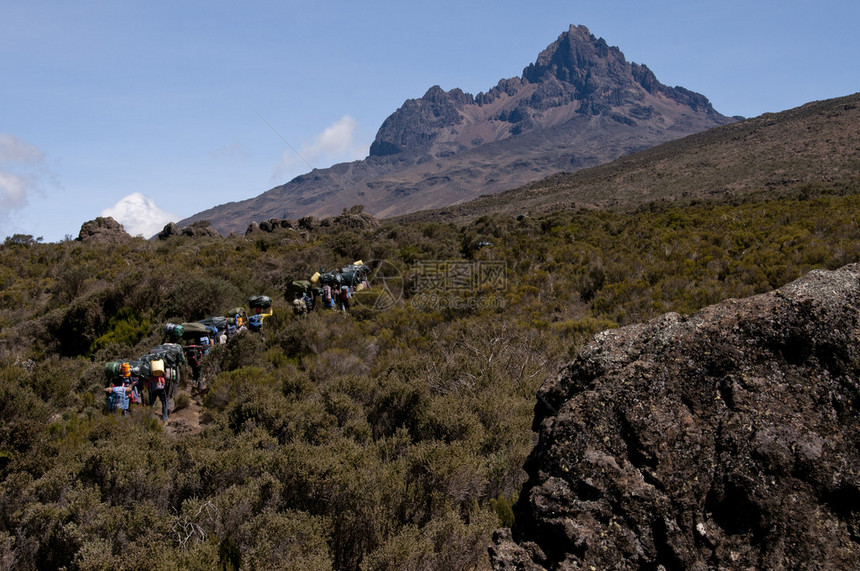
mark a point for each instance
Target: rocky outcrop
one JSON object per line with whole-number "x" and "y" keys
{"x": 586, "y": 69}
{"x": 354, "y": 218}
{"x": 729, "y": 439}
{"x": 103, "y": 230}
{"x": 197, "y": 229}
{"x": 200, "y": 229}
{"x": 309, "y": 223}
{"x": 274, "y": 224}
{"x": 170, "y": 229}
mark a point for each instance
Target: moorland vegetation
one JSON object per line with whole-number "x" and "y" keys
{"x": 390, "y": 437}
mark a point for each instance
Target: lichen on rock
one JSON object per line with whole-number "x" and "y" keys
{"x": 726, "y": 439}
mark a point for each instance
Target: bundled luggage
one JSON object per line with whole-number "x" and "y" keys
{"x": 219, "y": 327}
{"x": 353, "y": 274}
{"x": 349, "y": 275}
{"x": 332, "y": 279}
{"x": 174, "y": 330}
{"x": 260, "y": 302}
{"x": 236, "y": 311}
{"x": 195, "y": 330}
{"x": 168, "y": 361}
{"x": 171, "y": 353}
{"x": 112, "y": 369}
{"x": 219, "y": 323}
{"x": 140, "y": 368}
{"x": 301, "y": 287}
{"x": 118, "y": 399}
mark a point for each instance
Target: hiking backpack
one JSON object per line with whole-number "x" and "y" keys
{"x": 255, "y": 323}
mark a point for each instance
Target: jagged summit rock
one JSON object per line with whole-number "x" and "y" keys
{"x": 577, "y": 75}
{"x": 580, "y": 67}
{"x": 729, "y": 439}
{"x": 103, "y": 230}
{"x": 578, "y": 105}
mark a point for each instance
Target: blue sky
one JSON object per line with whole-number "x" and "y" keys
{"x": 153, "y": 111}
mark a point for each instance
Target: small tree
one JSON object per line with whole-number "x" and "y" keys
{"x": 21, "y": 240}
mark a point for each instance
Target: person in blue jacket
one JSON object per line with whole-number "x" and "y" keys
{"x": 117, "y": 395}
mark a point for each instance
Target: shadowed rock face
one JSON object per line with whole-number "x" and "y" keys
{"x": 727, "y": 439}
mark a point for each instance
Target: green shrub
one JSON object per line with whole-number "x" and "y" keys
{"x": 181, "y": 401}
{"x": 197, "y": 296}
{"x": 125, "y": 328}
{"x": 237, "y": 386}
{"x": 245, "y": 349}
{"x": 504, "y": 508}
{"x": 290, "y": 540}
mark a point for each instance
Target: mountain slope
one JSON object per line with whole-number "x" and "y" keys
{"x": 580, "y": 104}
{"x": 816, "y": 143}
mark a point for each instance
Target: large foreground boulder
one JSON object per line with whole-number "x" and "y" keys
{"x": 724, "y": 440}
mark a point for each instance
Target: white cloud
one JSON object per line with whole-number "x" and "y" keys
{"x": 336, "y": 144}
{"x": 21, "y": 170}
{"x": 14, "y": 150}
{"x": 13, "y": 191}
{"x": 139, "y": 215}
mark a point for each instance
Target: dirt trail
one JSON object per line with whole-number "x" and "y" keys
{"x": 186, "y": 421}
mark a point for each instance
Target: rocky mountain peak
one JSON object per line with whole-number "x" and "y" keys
{"x": 578, "y": 105}
{"x": 574, "y": 56}
{"x": 578, "y": 72}
{"x": 599, "y": 77}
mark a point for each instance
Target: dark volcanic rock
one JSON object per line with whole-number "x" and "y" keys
{"x": 195, "y": 230}
{"x": 170, "y": 229}
{"x": 103, "y": 231}
{"x": 353, "y": 218}
{"x": 309, "y": 223}
{"x": 724, "y": 440}
{"x": 200, "y": 229}
{"x": 356, "y": 219}
{"x": 414, "y": 126}
{"x": 273, "y": 224}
